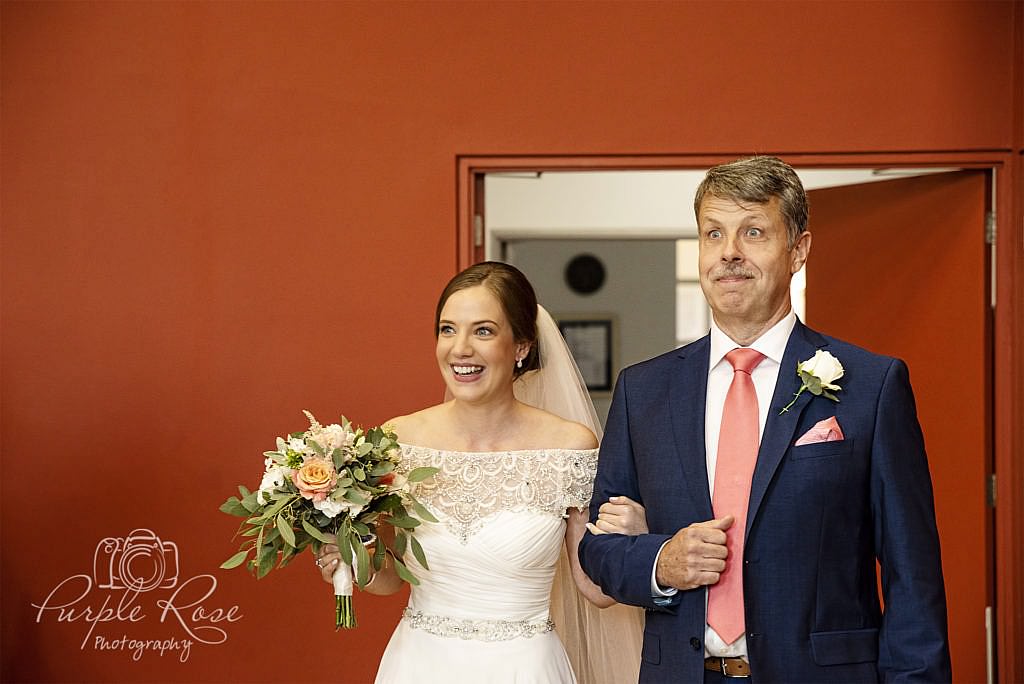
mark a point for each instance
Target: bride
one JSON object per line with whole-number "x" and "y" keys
{"x": 513, "y": 483}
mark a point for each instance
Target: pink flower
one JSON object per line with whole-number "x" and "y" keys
{"x": 315, "y": 479}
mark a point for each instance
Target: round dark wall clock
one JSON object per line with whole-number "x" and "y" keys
{"x": 584, "y": 274}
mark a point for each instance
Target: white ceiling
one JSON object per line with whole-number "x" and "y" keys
{"x": 621, "y": 204}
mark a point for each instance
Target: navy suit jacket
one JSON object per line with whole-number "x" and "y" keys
{"x": 819, "y": 515}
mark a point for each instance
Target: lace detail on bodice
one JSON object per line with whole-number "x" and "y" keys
{"x": 472, "y": 486}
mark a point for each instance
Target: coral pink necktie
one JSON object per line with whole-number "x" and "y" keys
{"x": 738, "y": 442}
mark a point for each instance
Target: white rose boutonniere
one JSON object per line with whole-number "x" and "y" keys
{"x": 819, "y": 375}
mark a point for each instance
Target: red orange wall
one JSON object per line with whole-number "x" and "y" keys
{"x": 215, "y": 215}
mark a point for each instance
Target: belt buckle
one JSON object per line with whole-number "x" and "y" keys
{"x": 722, "y": 663}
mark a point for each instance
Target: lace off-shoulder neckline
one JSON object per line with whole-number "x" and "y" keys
{"x": 472, "y": 486}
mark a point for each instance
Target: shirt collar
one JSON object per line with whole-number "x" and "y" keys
{"x": 772, "y": 343}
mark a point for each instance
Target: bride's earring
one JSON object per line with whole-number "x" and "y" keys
{"x": 519, "y": 363}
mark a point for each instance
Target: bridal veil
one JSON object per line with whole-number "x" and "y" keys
{"x": 603, "y": 644}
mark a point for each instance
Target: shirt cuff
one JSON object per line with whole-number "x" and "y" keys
{"x": 660, "y": 595}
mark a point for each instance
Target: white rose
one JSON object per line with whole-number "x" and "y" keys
{"x": 825, "y": 367}
{"x": 334, "y": 437}
{"x": 332, "y": 508}
{"x": 272, "y": 479}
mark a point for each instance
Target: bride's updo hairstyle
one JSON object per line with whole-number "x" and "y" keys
{"x": 516, "y": 296}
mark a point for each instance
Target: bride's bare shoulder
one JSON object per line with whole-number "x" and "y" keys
{"x": 416, "y": 427}
{"x": 558, "y": 433}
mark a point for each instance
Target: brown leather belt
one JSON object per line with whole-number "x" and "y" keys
{"x": 730, "y": 667}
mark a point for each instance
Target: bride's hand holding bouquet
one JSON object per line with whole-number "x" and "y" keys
{"x": 333, "y": 484}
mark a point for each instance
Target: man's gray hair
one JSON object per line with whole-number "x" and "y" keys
{"x": 758, "y": 179}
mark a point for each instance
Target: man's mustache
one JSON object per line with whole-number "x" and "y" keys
{"x": 731, "y": 272}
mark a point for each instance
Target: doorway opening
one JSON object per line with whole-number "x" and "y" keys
{"x": 900, "y": 265}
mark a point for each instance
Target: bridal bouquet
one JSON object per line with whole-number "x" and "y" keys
{"x": 331, "y": 479}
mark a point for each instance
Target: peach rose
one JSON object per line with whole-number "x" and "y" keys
{"x": 315, "y": 479}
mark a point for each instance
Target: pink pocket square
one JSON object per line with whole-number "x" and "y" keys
{"x": 824, "y": 431}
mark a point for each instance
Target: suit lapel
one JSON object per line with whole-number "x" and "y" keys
{"x": 688, "y": 389}
{"x": 780, "y": 427}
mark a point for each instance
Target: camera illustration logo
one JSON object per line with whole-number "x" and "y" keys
{"x": 140, "y": 562}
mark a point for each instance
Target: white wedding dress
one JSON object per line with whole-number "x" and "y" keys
{"x": 481, "y": 613}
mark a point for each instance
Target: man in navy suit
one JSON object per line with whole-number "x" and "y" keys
{"x": 837, "y": 478}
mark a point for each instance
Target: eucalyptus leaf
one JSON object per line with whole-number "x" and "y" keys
{"x": 355, "y": 496}
{"x": 265, "y": 560}
{"x": 404, "y": 573}
{"x": 276, "y": 507}
{"x": 417, "y": 551}
{"x": 338, "y": 456}
{"x": 405, "y": 522}
{"x": 363, "y": 571}
{"x": 345, "y": 550}
{"x": 358, "y": 473}
{"x": 364, "y": 448}
{"x": 315, "y": 533}
{"x": 286, "y": 531}
{"x": 401, "y": 540}
{"x": 382, "y": 468}
{"x": 421, "y": 510}
{"x": 420, "y": 474}
{"x": 234, "y": 507}
{"x": 315, "y": 446}
{"x": 286, "y": 556}
{"x": 389, "y": 503}
{"x": 235, "y": 560}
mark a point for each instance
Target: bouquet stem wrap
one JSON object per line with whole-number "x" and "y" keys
{"x": 344, "y": 613}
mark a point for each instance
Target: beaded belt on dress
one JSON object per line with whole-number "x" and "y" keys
{"x": 478, "y": 630}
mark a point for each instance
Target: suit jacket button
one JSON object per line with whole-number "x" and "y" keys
{"x": 695, "y": 643}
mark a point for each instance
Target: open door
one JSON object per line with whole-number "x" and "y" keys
{"x": 901, "y": 267}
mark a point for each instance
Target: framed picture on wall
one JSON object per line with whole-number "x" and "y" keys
{"x": 590, "y": 341}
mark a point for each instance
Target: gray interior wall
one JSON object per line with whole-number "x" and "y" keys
{"x": 638, "y": 293}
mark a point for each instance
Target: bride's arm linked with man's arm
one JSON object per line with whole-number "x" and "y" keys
{"x": 620, "y": 515}
{"x": 624, "y": 517}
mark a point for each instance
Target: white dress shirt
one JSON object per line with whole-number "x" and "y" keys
{"x": 773, "y": 345}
